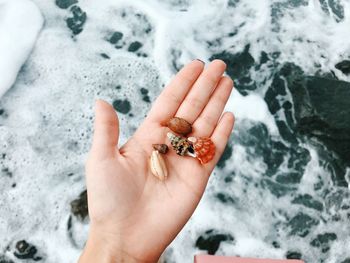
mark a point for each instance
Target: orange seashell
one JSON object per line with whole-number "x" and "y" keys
{"x": 204, "y": 149}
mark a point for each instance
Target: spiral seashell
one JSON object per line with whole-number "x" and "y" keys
{"x": 181, "y": 145}
{"x": 204, "y": 149}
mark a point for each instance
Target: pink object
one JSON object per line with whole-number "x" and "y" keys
{"x": 220, "y": 259}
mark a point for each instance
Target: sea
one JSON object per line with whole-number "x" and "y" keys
{"x": 274, "y": 194}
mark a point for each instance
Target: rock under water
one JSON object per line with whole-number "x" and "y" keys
{"x": 79, "y": 206}
{"x": 316, "y": 107}
{"x": 238, "y": 68}
{"x": 211, "y": 240}
{"x": 322, "y": 111}
{"x": 25, "y": 250}
{"x": 343, "y": 66}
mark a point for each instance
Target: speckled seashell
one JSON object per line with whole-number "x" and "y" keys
{"x": 181, "y": 145}
{"x": 204, "y": 149}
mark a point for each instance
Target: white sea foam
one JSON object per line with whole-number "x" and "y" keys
{"x": 242, "y": 108}
{"x": 45, "y": 129}
{"x": 20, "y": 23}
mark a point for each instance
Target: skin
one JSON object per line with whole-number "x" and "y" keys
{"x": 133, "y": 215}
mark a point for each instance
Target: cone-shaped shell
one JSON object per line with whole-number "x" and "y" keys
{"x": 158, "y": 166}
{"x": 204, "y": 149}
{"x": 181, "y": 145}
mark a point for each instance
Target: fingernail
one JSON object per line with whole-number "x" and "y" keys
{"x": 200, "y": 60}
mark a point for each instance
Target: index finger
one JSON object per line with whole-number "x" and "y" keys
{"x": 172, "y": 96}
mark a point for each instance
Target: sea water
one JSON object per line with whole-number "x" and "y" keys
{"x": 267, "y": 198}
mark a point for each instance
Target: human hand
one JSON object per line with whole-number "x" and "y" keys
{"x": 133, "y": 215}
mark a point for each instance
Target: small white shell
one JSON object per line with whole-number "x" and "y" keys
{"x": 192, "y": 139}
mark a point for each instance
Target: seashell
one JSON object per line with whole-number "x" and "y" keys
{"x": 181, "y": 145}
{"x": 180, "y": 126}
{"x": 158, "y": 166}
{"x": 162, "y": 148}
{"x": 192, "y": 139}
{"x": 204, "y": 149}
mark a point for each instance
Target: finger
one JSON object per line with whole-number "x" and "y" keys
{"x": 106, "y": 130}
{"x": 221, "y": 136}
{"x": 207, "y": 120}
{"x": 172, "y": 96}
{"x": 199, "y": 95}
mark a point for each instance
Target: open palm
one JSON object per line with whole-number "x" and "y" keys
{"x": 131, "y": 209}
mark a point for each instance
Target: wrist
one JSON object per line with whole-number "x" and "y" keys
{"x": 104, "y": 248}
{"x": 97, "y": 249}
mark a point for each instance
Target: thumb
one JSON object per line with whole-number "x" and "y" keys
{"x": 106, "y": 130}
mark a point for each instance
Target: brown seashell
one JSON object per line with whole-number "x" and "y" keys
{"x": 181, "y": 145}
{"x": 162, "y": 148}
{"x": 180, "y": 126}
{"x": 204, "y": 149}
